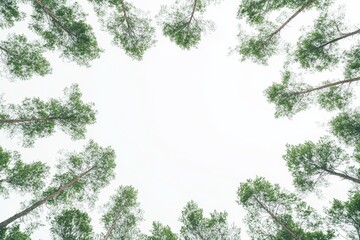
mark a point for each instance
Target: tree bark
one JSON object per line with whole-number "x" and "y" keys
{"x": 109, "y": 231}
{"x": 286, "y": 228}
{"x": 339, "y": 38}
{"x": 193, "y": 12}
{"x": 24, "y": 120}
{"x": 344, "y": 176}
{"x": 290, "y": 19}
{"x": 48, "y": 12}
{"x": 37, "y": 204}
{"x": 4, "y": 50}
{"x": 329, "y": 85}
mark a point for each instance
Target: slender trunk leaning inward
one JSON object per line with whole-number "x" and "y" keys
{"x": 48, "y": 12}
{"x": 286, "y": 228}
{"x": 127, "y": 20}
{"x": 37, "y": 204}
{"x": 329, "y": 85}
{"x": 113, "y": 225}
{"x": 25, "y": 120}
{"x": 303, "y": 7}
{"x": 340, "y": 38}
{"x": 342, "y": 175}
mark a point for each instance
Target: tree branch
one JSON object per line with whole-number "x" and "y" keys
{"x": 37, "y": 204}
{"x": 277, "y": 220}
{"x": 307, "y": 4}
{"x": 340, "y": 38}
{"x": 48, "y": 12}
{"x": 23, "y": 120}
{"x": 328, "y": 85}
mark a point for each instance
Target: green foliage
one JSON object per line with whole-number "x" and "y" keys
{"x": 334, "y": 98}
{"x": 291, "y": 97}
{"x": 123, "y": 215}
{"x": 183, "y": 22}
{"x": 79, "y": 178}
{"x": 72, "y": 224}
{"x": 160, "y": 232}
{"x": 258, "y": 48}
{"x": 130, "y": 28}
{"x": 19, "y": 176}
{"x": 287, "y": 96}
{"x": 310, "y": 52}
{"x": 256, "y": 12}
{"x": 34, "y": 118}
{"x": 346, "y": 126}
{"x": 310, "y": 163}
{"x": 196, "y": 226}
{"x": 9, "y": 13}
{"x": 64, "y": 28}
{"x": 13, "y": 233}
{"x": 22, "y": 59}
{"x": 96, "y": 162}
{"x": 352, "y": 67}
{"x": 346, "y": 215}
{"x": 273, "y": 213}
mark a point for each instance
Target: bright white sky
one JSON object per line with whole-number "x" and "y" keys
{"x": 186, "y": 125}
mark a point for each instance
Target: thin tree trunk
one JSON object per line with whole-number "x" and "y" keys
{"x": 286, "y": 228}
{"x": 24, "y": 120}
{"x": 340, "y": 38}
{"x": 109, "y": 231}
{"x": 44, "y": 200}
{"x": 193, "y": 12}
{"x": 4, "y": 49}
{"x": 48, "y": 12}
{"x": 290, "y": 19}
{"x": 124, "y": 10}
{"x": 344, "y": 176}
{"x": 329, "y": 85}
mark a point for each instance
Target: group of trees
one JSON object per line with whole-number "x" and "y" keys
{"x": 272, "y": 212}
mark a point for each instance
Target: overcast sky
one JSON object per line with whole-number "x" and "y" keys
{"x": 185, "y": 125}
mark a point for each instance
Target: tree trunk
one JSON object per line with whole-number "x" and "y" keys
{"x": 37, "y": 204}
{"x": 344, "y": 176}
{"x": 289, "y": 19}
{"x": 4, "y": 50}
{"x": 193, "y": 12}
{"x": 48, "y": 12}
{"x": 127, "y": 20}
{"x": 328, "y": 85}
{"x": 340, "y": 38}
{"x": 24, "y": 120}
{"x": 286, "y": 228}
{"x": 109, "y": 231}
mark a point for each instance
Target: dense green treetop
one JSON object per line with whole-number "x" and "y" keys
{"x": 291, "y": 96}
{"x": 129, "y": 27}
{"x": 346, "y": 127}
{"x": 122, "y": 215}
{"x": 16, "y": 175}
{"x": 34, "y": 118}
{"x": 197, "y": 227}
{"x": 161, "y": 232}
{"x": 346, "y": 215}
{"x": 10, "y": 13}
{"x": 13, "y": 233}
{"x": 72, "y": 224}
{"x": 311, "y": 163}
{"x": 183, "y": 22}
{"x": 63, "y": 27}
{"x": 79, "y": 178}
{"x": 273, "y": 213}
{"x": 22, "y": 59}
